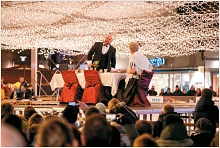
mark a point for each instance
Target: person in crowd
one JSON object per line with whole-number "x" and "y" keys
{"x": 76, "y": 133}
{"x": 214, "y": 94}
{"x": 11, "y": 137}
{"x": 89, "y": 111}
{"x": 129, "y": 128}
{"x": 20, "y": 82}
{"x": 97, "y": 131}
{"x": 13, "y": 120}
{"x": 24, "y": 124}
{"x": 32, "y": 131}
{"x": 7, "y": 108}
{"x": 152, "y": 91}
{"x": 167, "y": 109}
{"x": 104, "y": 53}
{"x": 198, "y": 92}
{"x": 30, "y": 93}
{"x": 55, "y": 133}
{"x": 184, "y": 93}
{"x": 162, "y": 92}
{"x": 115, "y": 137}
{"x": 6, "y": 91}
{"x": 177, "y": 91}
{"x": 205, "y": 108}
{"x": 143, "y": 126}
{"x": 168, "y": 92}
{"x": 112, "y": 103}
{"x": 20, "y": 93}
{"x": 115, "y": 107}
{"x": 28, "y": 112}
{"x": 16, "y": 122}
{"x": 174, "y": 133}
{"x": 101, "y": 107}
{"x": 17, "y": 85}
{"x": 191, "y": 91}
{"x": 201, "y": 135}
{"x": 35, "y": 119}
{"x": 145, "y": 140}
{"x": 70, "y": 113}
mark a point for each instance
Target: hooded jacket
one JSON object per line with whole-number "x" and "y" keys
{"x": 158, "y": 125}
{"x": 205, "y": 108}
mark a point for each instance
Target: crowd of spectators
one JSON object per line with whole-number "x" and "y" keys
{"x": 178, "y": 92}
{"x": 34, "y": 130}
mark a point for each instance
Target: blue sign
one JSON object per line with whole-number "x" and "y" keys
{"x": 157, "y": 61}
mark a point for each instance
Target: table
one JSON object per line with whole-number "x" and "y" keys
{"x": 108, "y": 79}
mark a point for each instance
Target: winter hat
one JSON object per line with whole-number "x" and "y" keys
{"x": 174, "y": 135}
{"x": 101, "y": 107}
{"x": 174, "y": 131}
{"x": 204, "y": 124}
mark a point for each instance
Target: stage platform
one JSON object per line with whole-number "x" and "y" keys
{"x": 54, "y": 108}
{"x": 144, "y": 113}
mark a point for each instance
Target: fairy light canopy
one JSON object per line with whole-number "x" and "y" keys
{"x": 166, "y": 28}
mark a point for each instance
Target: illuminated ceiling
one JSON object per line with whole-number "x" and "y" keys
{"x": 173, "y": 28}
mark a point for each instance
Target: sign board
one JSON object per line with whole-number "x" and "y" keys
{"x": 157, "y": 61}
{"x": 158, "y": 99}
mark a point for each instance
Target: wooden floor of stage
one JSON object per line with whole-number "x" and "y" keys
{"x": 155, "y": 108}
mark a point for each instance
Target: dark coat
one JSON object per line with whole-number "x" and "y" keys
{"x": 158, "y": 125}
{"x": 191, "y": 92}
{"x": 166, "y": 94}
{"x": 152, "y": 93}
{"x": 177, "y": 93}
{"x": 29, "y": 94}
{"x": 97, "y": 49}
{"x": 205, "y": 108}
{"x": 201, "y": 140}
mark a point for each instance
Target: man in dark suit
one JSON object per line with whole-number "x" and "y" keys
{"x": 104, "y": 53}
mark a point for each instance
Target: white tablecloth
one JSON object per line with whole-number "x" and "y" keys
{"x": 108, "y": 79}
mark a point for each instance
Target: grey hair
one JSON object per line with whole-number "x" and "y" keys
{"x": 134, "y": 46}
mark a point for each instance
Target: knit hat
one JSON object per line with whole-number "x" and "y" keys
{"x": 204, "y": 124}
{"x": 174, "y": 135}
{"x": 101, "y": 107}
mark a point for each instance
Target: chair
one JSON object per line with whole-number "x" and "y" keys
{"x": 72, "y": 91}
{"x": 143, "y": 86}
{"x": 94, "y": 91}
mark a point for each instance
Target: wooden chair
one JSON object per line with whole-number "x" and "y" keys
{"x": 94, "y": 91}
{"x": 72, "y": 91}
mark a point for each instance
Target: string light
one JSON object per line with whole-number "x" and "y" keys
{"x": 71, "y": 28}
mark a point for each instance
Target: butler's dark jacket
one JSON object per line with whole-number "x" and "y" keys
{"x": 97, "y": 49}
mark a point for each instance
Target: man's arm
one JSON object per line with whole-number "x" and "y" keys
{"x": 91, "y": 52}
{"x": 113, "y": 58}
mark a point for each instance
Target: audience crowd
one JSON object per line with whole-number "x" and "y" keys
{"x": 98, "y": 129}
{"x": 178, "y": 92}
